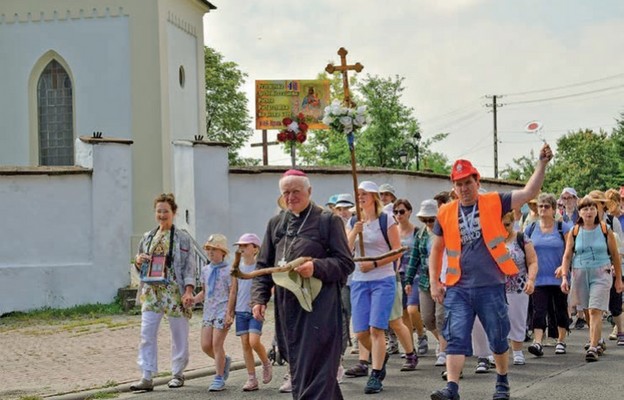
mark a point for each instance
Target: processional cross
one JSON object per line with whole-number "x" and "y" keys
{"x": 344, "y": 68}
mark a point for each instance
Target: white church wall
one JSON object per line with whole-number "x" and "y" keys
{"x": 97, "y": 53}
{"x": 67, "y": 232}
{"x": 183, "y": 86}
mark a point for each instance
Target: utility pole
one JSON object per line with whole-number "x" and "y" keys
{"x": 494, "y": 106}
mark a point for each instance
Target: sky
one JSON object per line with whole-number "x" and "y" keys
{"x": 567, "y": 54}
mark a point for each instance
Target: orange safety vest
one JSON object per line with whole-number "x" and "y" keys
{"x": 492, "y": 229}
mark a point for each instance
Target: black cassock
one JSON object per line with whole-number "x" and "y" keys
{"x": 309, "y": 341}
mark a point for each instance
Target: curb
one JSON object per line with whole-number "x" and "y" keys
{"x": 125, "y": 387}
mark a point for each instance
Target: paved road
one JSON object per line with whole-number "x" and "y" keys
{"x": 565, "y": 377}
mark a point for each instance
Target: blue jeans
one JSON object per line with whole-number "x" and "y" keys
{"x": 461, "y": 305}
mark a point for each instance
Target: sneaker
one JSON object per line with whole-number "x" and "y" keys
{"x": 176, "y": 382}
{"x": 267, "y": 373}
{"x": 483, "y": 366}
{"x": 250, "y": 385}
{"x": 444, "y": 394}
{"x": 217, "y": 385}
{"x": 620, "y": 339}
{"x": 580, "y": 323}
{"x": 591, "y": 355}
{"x": 226, "y": 368}
{"x": 518, "y": 359}
{"x": 502, "y": 391}
{"x": 373, "y": 385}
{"x": 560, "y": 348}
{"x": 359, "y": 369}
{"x": 423, "y": 344}
{"x": 441, "y": 361}
{"x": 492, "y": 361}
{"x": 411, "y": 361}
{"x": 287, "y": 385}
{"x": 340, "y": 374}
{"x": 146, "y": 385}
{"x": 536, "y": 349}
{"x": 382, "y": 373}
{"x": 614, "y": 333}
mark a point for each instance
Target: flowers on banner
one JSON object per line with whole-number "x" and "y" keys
{"x": 296, "y": 130}
{"x": 344, "y": 119}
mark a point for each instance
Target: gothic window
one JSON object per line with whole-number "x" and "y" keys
{"x": 55, "y": 115}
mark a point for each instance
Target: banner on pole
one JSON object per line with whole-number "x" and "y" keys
{"x": 276, "y": 100}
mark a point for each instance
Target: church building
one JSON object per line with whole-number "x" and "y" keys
{"x": 130, "y": 69}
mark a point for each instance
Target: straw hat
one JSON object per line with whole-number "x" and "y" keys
{"x": 217, "y": 241}
{"x": 304, "y": 289}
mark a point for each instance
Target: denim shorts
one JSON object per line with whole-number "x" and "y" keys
{"x": 461, "y": 305}
{"x": 371, "y": 303}
{"x": 246, "y": 323}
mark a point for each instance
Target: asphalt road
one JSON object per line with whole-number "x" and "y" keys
{"x": 553, "y": 377}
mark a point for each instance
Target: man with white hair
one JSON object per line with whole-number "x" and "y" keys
{"x": 308, "y": 322}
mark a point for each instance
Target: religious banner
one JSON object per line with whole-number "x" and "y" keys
{"x": 276, "y": 100}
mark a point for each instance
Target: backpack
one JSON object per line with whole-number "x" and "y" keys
{"x": 520, "y": 240}
{"x": 383, "y": 224}
{"x": 531, "y": 228}
{"x": 605, "y": 231}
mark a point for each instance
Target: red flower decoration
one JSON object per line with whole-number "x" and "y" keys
{"x": 299, "y": 132}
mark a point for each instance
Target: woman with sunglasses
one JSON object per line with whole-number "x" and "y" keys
{"x": 402, "y": 211}
{"x": 548, "y": 237}
{"x": 417, "y": 277}
{"x": 518, "y": 287}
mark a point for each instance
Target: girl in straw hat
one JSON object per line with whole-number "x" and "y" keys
{"x": 215, "y": 278}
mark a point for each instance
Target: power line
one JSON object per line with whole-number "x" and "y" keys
{"x": 455, "y": 111}
{"x": 565, "y": 96}
{"x": 566, "y": 86}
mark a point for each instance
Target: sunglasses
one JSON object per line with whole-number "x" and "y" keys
{"x": 546, "y": 206}
{"x": 427, "y": 220}
{"x": 508, "y": 223}
{"x": 399, "y": 212}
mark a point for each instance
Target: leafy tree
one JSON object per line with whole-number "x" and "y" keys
{"x": 524, "y": 167}
{"x": 391, "y": 124}
{"x": 227, "y": 117}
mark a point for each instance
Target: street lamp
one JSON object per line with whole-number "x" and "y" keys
{"x": 414, "y": 143}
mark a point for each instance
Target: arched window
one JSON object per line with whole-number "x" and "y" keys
{"x": 55, "y": 115}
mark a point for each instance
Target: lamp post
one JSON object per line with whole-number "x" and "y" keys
{"x": 414, "y": 143}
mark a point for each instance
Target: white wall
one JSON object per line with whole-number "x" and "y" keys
{"x": 66, "y": 231}
{"x": 98, "y": 55}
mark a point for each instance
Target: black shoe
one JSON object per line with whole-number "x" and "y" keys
{"x": 502, "y": 391}
{"x": 373, "y": 385}
{"x": 444, "y": 394}
{"x": 580, "y": 323}
{"x": 536, "y": 349}
{"x": 357, "y": 370}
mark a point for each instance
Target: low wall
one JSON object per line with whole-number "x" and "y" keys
{"x": 66, "y": 230}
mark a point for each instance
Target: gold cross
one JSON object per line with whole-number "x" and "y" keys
{"x": 343, "y": 67}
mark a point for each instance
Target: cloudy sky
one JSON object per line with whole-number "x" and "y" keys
{"x": 452, "y": 53}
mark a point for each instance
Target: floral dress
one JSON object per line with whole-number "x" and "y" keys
{"x": 516, "y": 283}
{"x": 163, "y": 298}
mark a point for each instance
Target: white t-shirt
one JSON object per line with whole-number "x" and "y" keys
{"x": 374, "y": 244}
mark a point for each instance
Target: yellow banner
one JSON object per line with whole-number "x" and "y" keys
{"x": 276, "y": 100}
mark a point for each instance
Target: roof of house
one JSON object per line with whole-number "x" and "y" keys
{"x": 208, "y": 4}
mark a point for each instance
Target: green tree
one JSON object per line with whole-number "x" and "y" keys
{"x": 391, "y": 124}
{"x": 585, "y": 160}
{"x": 227, "y": 117}
{"x": 523, "y": 169}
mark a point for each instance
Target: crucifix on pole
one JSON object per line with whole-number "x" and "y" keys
{"x": 344, "y": 68}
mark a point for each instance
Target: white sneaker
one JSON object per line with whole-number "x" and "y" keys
{"x": 287, "y": 385}
{"x": 441, "y": 361}
{"x": 518, "y": 359}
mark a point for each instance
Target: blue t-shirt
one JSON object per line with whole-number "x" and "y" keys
{"x": 478, "y": 267}
{"x": 549, "y": 248}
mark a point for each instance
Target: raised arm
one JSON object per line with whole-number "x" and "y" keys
{"x": 533, "y": 186}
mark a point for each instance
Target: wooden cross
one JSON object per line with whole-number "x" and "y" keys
{"x": 343, "y": 68}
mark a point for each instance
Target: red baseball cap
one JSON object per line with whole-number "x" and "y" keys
{"x": 462, "y": 169}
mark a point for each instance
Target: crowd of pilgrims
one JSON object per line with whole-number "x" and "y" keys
{"x": 545, "y": 236}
